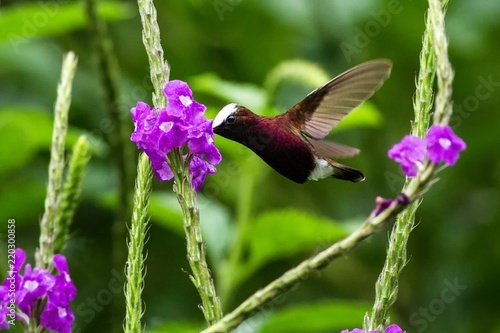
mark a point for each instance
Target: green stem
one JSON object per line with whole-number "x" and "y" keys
{"x": 432, "y": 56}
{"x": 444, "y": 70}
{"x": 196, "y": 251}
{"x": 135, "y": 269}
{"x": 186, "y": 195}
{"x": 71, "y": 190}
{"x": 48, "y": 224}
{"x": 371, "y": 225}
{"x": 386, "y": 288}
{"x": 159, "y": 68}
{"x": 423, "y": 99}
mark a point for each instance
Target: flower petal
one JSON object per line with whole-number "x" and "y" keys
{"x": 409, "y": 153}
{"x": 199, "y": 171}
{"x": 393, "y": 329}
{"x": 443, "y": 145}
{"x": 181, "y": 122}
{"x": 57, "y": 318}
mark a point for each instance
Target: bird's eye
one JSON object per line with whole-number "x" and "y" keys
{"x": 231, "y": 119}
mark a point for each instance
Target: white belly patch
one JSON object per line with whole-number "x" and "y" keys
{"x": 322, "y": 169}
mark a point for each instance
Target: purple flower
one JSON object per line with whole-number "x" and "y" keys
{"x": 34, "y": 285}
{"x": 181, "y": 123}
{"x": 181, "y": 102}
{"x": 64, "y": 290}
{"x": 57, "y": 315}
{"x": 58, "y": 318}
{"x": 201, "y": 141}
{"x": 410, "y": 153}
{"x": 394, "y": 329}
{"x": 9, "y": 288}
{"x": 443, "y": 145}
{"x": 14, "y": 278}
{"x": 159, "y": 164}
{"x": 199, "y": 171}
{"x": 390, "y": 329}
{"x": 144, "y": 121}
{"x": 4, "y": 307}
{"x": 382, "y": 204}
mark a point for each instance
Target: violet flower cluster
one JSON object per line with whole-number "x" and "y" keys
{"x": 390, "y": 329}
{"x": 440, "y": 144}
{"x": 182, "y": 122}
{"x": 36, "y": 290}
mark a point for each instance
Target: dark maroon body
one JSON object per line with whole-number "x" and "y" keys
{"x": 272, "y": 139}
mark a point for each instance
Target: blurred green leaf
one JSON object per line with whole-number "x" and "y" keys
{"x": 25, "y": 202}
{"x": 166, "y": 212}
{"x": 286, "y": 232}
{"x": 330, "y": 316}
{"x": 299, "y": 71}
{"x": 366, "y": 115}
{"x": 31, "y": 130}
{"x": 245, "y": 94}
{"x": 49, "y": 18}
{"x": 215, "y": 220}
{"x": 26, "y": 130}
{"x": 216, "y": 226}
{"x": 14, "y": 156}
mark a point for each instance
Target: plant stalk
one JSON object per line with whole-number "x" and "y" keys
{"x": 434, "y": 42}
{"x": 71, "y": 190}
{"x": 48, "y": 224}
{"x": 186, "y": 195}
{"x": 371, "y": 225}
{"x": 135, "y": 268}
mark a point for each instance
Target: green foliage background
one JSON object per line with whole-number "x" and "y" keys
{"x": 230, "y": 50}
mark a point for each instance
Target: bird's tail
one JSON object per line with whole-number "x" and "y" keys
{"x": 347, "y": 173}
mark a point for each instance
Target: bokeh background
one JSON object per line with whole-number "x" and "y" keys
{"x": 226, "y": 48}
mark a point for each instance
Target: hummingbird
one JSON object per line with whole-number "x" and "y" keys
{"x": 292, "y": 142}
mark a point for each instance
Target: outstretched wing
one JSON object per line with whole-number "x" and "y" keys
{"x": 333, "y": 149}
{"x": 318, "y": 113}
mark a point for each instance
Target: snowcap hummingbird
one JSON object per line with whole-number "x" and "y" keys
{"x": 292, "y": 143}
